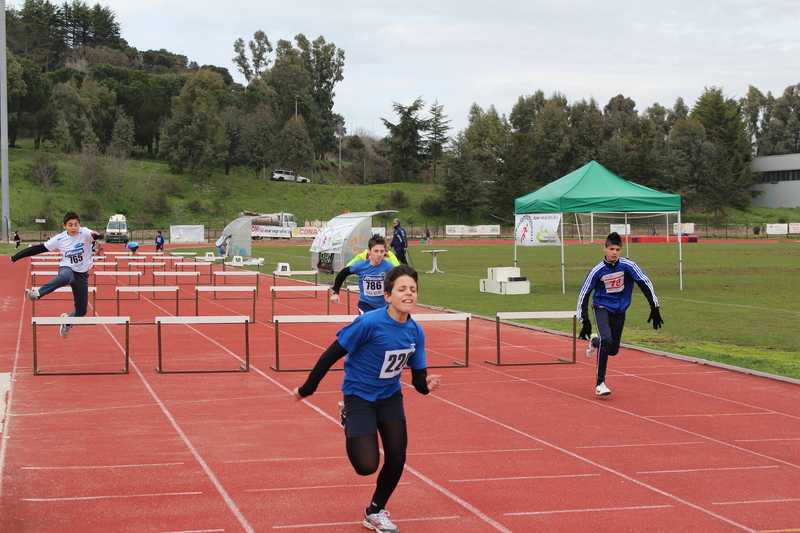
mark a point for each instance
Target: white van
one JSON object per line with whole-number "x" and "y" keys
{"x": 117, "y": 229}
{"x": 287, "y": 175}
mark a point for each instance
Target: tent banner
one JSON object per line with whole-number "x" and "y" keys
{"x": 331, "y": 239}
{"x": 186, "y": 234}
{"x": 472, "y": 230}
{"x": 537, "y": 229}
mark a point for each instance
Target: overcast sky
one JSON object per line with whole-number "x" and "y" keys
{"x": 491, "y": 52}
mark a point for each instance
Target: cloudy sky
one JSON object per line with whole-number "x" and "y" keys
{"x": 491, "y": 52}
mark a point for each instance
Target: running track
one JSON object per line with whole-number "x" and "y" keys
{"x": 677, "y": 447}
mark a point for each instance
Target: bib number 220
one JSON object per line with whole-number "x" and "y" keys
{"x": 394, "y": 361}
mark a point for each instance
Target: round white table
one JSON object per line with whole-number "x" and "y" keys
{"x": 434, "y": 253}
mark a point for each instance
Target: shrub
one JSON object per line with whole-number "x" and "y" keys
{"x": 397, "y": 198}
{"x": 195, "y": 206}
{"x": 431, "y": 206}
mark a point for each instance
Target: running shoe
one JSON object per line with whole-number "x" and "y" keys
{"x": 602, "y": 390}
{"x": 379, "y": 522}
{"x": 64, "y": 331}
{"x": 592, "y": 345}
{"x": 32, "y": 294}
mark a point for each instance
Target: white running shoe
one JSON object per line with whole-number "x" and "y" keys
{"x": 379, "y": 522}
{"x": 32, "y": 294}
{"x": 602, "y": 390}
{"x": 64, "y": 331}
{"x": 591, "y": 348}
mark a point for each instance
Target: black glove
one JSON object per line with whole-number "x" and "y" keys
{"x": 586, "y": 331}
{"x": 655, "y": 316}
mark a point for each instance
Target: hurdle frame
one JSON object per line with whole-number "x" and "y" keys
{"x": 139, "y": 289}
{"x": 215, "y": 288}
{"x": 176, "y": 274}
{"x": 311, "y": 288}
{"x": 327, "y": 319}
{"x": 235, "y": 319}
{"x": 57, "y": 321}
{"x": 92, "y": 291}
{"x": 289, "y": 274}
{"x": 534, "y": 315}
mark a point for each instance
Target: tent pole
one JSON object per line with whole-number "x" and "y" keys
{"x": 680, "y": 251}
{"x": 627, "y": 237}
{"x": 591, "y": 228}
{"x": 563, "y": 286}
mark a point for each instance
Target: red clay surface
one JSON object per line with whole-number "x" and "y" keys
{"x": 677, "y": 446}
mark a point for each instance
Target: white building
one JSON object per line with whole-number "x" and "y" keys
{"x": 780, "y": 181}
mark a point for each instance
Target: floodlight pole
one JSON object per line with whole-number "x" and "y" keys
{"x": 6, "y": 212}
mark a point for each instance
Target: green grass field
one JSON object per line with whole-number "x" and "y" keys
{"x": 738, "y": 306}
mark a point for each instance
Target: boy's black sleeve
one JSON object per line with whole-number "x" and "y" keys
{"x": 33, "y": 250}
{"x": 647, "y": 291}
{"x": 97, "y": 235}
{"x": 340, "y": 277}
{"x": 419, "y": 380}
{"x": 328, "y": 358}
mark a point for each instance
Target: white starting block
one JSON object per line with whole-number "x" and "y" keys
{"x": 503, "y": 280}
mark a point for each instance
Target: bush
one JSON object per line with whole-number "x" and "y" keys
{"x": 397, "y": 198}
{"x": 195, "y": 206}
{"x": 431, "y": 206}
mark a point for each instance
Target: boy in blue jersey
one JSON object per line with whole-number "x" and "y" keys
{"x": 76, "y": 244}
{"x": 160, "y": 242}
{"x": 371, "y": 273}
{"x": 612, "y": 281}
{"x": 376, "y": 347}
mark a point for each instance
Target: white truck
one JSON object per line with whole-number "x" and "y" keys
{"x": 117, "y": 229}
{"x": 271, "y": 225}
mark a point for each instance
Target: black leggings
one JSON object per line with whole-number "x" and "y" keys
{"x": 364, "y": 455}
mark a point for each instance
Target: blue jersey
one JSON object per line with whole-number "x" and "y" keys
{"x": 370, "y": 281}
{"x": 612, "y": 284}
{"x": 378, "y": 347}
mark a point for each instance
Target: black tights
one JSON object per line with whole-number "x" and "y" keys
{"x": 365, "y": 457}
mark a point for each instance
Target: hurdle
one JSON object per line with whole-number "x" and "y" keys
{"x": 140, "y": 289}
{"x": 327, "y": 319}
{"x": 185, "y": 254}
{"x": 177, "y": 275}
{"x": 92, "y": 291}
{"x": 145, "y": 264}
{"x": 532, "y": 316}
{"x": 135, "y": 274}
{"x": 301, "y": 288}
{"x": 239, "y": 273}
{"x": 289, "y": 274}
{"x": 244, "y": 288}
{"x": 239, "y": 319}
{"x": 58, "y": 321}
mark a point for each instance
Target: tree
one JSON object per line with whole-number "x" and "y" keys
{"x": 461, "y": 188}
{"x": 296, "y": 148}
{"x": 781, "y": 130}
{"x": 194, "y": 137}
{"x": 407, "y": 150}
{"x": 437, "y": 137}
{"x": 259, "y": 47}
{"x": 85, "y": 114}
{"x": 514, "y": 175}
{"x": 259, "y": 138}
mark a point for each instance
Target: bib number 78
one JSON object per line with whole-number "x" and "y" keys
{"x": 394, "y": 361}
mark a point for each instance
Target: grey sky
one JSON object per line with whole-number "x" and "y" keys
{"x": 491, "y": 52}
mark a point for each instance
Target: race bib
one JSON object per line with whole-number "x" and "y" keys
{"x": 394, "y": 361}
{"x": 614, "y": 282}
{"x": 373, "y": 285}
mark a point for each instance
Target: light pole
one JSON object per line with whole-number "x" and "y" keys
{"x": 295, "y": 106}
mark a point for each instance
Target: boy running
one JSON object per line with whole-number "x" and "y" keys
{"x": 612, "y": 282}
{"x": 376, "y": 347}
{"x": 371, "y": 273}
{"x": 75, "y": 243}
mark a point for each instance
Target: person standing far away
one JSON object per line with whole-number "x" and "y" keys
{"x": 399, "y": 241}
{"x": 17, "y": 240}
{"x": 376, "y": 346}
{"x": 75, "y": 243}
{"x": 160, "y": 242}
{"x": 612, "y": 281}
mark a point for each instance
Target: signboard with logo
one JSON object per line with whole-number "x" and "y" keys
{"x": 537, "y": 229}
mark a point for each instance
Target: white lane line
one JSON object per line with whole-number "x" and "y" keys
{"x": 481, "y": 480}
{"x": 758, "y": 501}
{"x": 111, "y": 497}
{"x": 705, "y": 469}
{"x": 329, "y": 524}
{"x": 639, "y": 445}
{"x": 482, "y": 452}
{"x": 96, "y": 466}
{"x": 599, "y": 509}
{"x": 766, "y": 440}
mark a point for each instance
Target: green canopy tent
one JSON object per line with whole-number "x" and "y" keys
{"x": 592, "y": 188}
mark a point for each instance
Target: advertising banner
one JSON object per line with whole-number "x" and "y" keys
{"x": 274, "y": 232}
{"x": 537, "y": 229}
{"x": 306, "y": 232}
{"x": 794, "y": 227}
{"x": 777, "y": 229}
{"x": 459, "y": 230}
{"x": 186, "y": 234}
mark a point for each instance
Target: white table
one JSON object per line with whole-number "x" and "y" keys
{"x": 434, "y": 253}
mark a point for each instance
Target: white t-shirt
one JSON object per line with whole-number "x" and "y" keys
{"x": 77, "y": 250}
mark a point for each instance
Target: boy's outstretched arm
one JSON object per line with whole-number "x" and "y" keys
{"x": 655, "y": 312}
{"x": 328, "y": 358}
{"x": 27, "y": 252}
